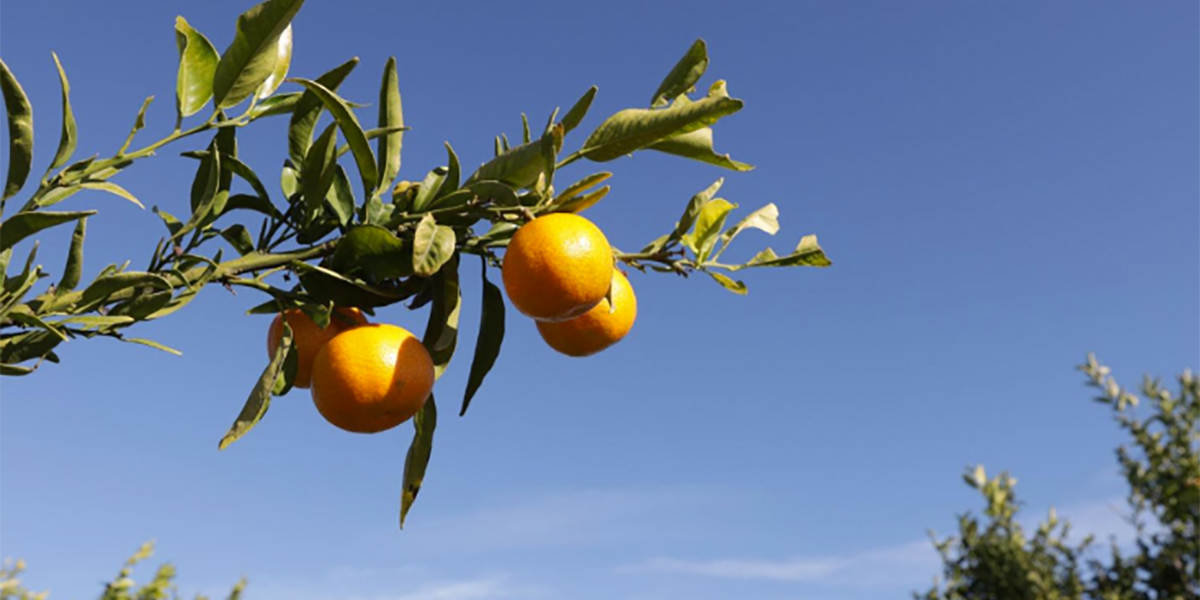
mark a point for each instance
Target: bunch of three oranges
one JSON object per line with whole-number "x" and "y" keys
{"x": 367, "y": 378}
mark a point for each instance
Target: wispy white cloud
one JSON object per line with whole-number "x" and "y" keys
{"x": 914, "y": 562}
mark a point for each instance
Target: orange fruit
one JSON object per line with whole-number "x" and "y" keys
{"x": 371, "y": 378}
{"x": 598, "y": 328}
{"x": 308, "y": 337}
{"x": 557, "y": 266}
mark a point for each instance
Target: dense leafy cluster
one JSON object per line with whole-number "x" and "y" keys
{"x": 335, "y": 234}
{"x": 122, "y": 587}
{"x": 995, "y": 558}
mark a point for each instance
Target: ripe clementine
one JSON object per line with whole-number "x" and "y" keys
{"x": 598, "y": 328}
{"x": 308, "y": 337}
{"x": 557, "y": 266}
{"x": 371, "y": 378}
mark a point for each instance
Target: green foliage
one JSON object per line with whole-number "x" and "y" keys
{"x": 994, "y": 558}
{"x": 319, "y": 244}
{"x": 122, "y": 587}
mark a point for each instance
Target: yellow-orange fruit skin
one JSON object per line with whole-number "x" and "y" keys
{"x": 308, "y": 337}
{"x": 598, "y": 328}
{"x": 371, "y": 378}
{"x": 557, "y": 267}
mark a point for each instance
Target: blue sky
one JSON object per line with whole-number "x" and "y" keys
{"x": 1003, "y": 187}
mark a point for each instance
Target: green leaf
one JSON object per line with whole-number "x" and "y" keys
{"x": 320, "y": 168}
{"x": 326, "y": 285}
{"x": 453, "y": 173}
{"x": 105, "y": 286}
{"x": 308, "y": 110}
{"x": 348, "y": 123}
{"x": 433, "y": 245}
{"x": 708, "y": 224}
{"x": 807, "y": 254}
{"x": 260, "y": 396}
{"x": 250, "y": 59}
{"x": 16, "y": 371}
{"x": 69, "y": 137}
{"x": 289, "y": 181}
{"x": 97, "y": 322}
{"x": 578, "y": 204}
{"x": 281, "y": 104}
{"x": 526, "y": 137}
{"x": 28, "y": 346}
{"x": 283, "y": 60}
{"x": 142, "y": 305}
{"x": 372, "y": 250}
{"x": 736, "y": 287}
{"x": 429, "y": 189}
{"x": 584, "y": 184}
{"x": 391, "y": 114}
{"x": 173, "y": 224}
{"x": 198, "y": 60}
{"x": 20, "y": 134}
{"x": 487, "y": 344}
{"x": 239, "y": 238}
{"x": 579, "y": 110}
{"x": 683, "y": 75}
{"x": 341, "y": 197}
{"x": 112, "y": 188}
{"x": 635, "y": 128}
{"x": 518, "y": 167}
{"x": 24, "y": 224}
{"x": 441, "y": 331}
{"x": 139, "y": 123}
{"x": 152, "y": 344}
{"x": 698, "y": 145}
{"x": 415, "y": 463}
{"x": 74, "y": 269}
{"x": 764, "y": 219}
{"x": 291, "y": 364}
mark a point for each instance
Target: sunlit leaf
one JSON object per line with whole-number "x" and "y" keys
{"x": 69, "y": 137}
{"x": 433, "y": 245}
{"x": 320, "y": 169}
{"x": 308, "y": 110}
{"x": 487, "y": 344}
{"x": 260, "y": 396}
{"x": 698, "y": 145}
{"x": 74, "y": 268}
{"x": 280, "y": 104}
{"x": 391, "y": 115}
{"x": 152, "y": 344}
{"x": 683, "y": 75}
{"x": 198, "y": 60}
{"x": 709, "y": 223}
{"x": 112, "y": 188}
{"x": 635, "y": 128}
{"x": 417, "y": 459}
{"x": 441, "y": 331}
{"x": 24, "y": 224}
{"x": 20, "y": 134}
{"x": 764, "y": 219}
{"x": 736, "y": 287}
{"x": 807, "y": 254}
{"x": 250, "y": 59}
{"x": 574, "y": 116}
{"x": 372, "y": 250}
{"x": 283, "y": 60}
{"x": 353, "y": 132}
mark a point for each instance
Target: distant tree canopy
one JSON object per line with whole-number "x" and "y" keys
{"x": 994, "y": 558}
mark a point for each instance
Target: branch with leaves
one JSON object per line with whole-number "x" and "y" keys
{"x": 334, "y": 234}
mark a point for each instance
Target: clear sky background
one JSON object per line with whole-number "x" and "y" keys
{"x": 1002, "y": 187}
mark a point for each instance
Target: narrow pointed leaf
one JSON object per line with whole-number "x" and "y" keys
{"x": 20, "y": 133}
{"x": 198, "y": 60}
{"x": 320, "y": 168}
{"x": 708, "y": 224}
{"x": 74, "y": 268}
{"x": 441, "y": 331}
{"x": 429, "y": 189}
{"x": 239, "y": 238}
{"x": 683, "y": 75}
{"x": 730, "y": 284}
{"x": 152, "y": 344}
{"x": 139, "y": 123}
{"x": 250, "y": 58}
{"x": 693, "y": 209}
{"x": 355, "y": 137}
{"x": 283, "y": 60}
{"x": 633, "y": 129}
{"x": 575, "y": 116}
{"x": 112, "y": 188}
{"x": 578, "y": 204}
{"x": 28, "y": 346}
{"x": 807, "y": 254}
{"x": 280, "y": 104}
{"x": 417, "y": 459}
{"x": 487, "y": 344}
{"x": 308, "y": 110}
{"x": 372, "y": 250}
{"x": 260, "y": 396}
{"x": 341, "y": 197}
{"x": 24, "y": 224}
{"x": 105, "y": 286}
{"x": 518, "y": 167}
{"x": 433, "y": 245}
{"x": 698, "y": 145}
{"x": 69, "y": 137}
{"x": 391, "y": 115}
